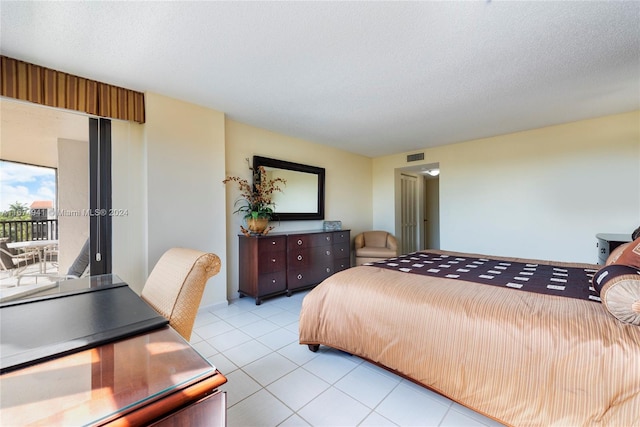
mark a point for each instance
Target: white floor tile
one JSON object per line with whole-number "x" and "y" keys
{"x": 259, "y": 328}
{"x": 298, "y": 388}
{"x": 229, "y": 340}
{"x": 260, "y": 409}
{"x": 331, "y": 365}
{"x": 195, "y": 338}
{"x": 204, "y": 348}
{"x": 212, "y": 329}
{"x": 376, "y": 420}
{"x": 222, "y": 363}
{"x": 269, "y": 368}
{"x": 297, "y": 353}
{"x": 366, "y": 385}
{"x": 284, "y": 318}
{"x": 334, "y": 408}
{"x": 407, "y": 407}
{"x": 247, "y": 352}
{"x": 230, "y": 310}
{"x": 428, "y": 393}
{"x": 239, "y": 386}
{"x": 294, "y": 421}
{"x": 294, "y": 327}
{"x": 277, "y": 339}
{"x": 242, "y": 319}
{"x": 456, "y": 419}
{"x": 204, "y": 318}
{"x": 267, "y": 310}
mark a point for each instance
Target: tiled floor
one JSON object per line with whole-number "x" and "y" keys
{"x": 274, "y": 381}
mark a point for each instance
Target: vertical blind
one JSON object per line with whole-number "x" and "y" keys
{"x": 30, "y": 82}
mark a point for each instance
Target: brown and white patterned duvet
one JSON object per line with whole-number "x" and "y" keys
{"x": 522, "y": 358}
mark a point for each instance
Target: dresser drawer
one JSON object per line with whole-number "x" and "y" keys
{"x": 341, "y": 236}
{"x": 303, "y": 278}
{"x": 309, "y": 257}
{"x": 272, "y": 261}
{"x": 310, "y": 240}
{"x": 341, "y": 264}
{"x": 270, "y": 283}
{"x": 341, "y": 250}
{"x": 270, "y": 244}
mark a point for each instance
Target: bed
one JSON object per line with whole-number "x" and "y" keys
{"x": 510, "y": 351}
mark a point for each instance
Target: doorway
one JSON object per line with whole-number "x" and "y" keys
{"x": 431, "y": 220}
{"x": 418, "y": 207}
{"x": 409, "y": 213}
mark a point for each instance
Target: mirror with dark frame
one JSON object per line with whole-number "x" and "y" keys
{"x": 303, "y": 196}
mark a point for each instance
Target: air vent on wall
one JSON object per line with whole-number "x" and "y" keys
{"x": 415, "y": 157}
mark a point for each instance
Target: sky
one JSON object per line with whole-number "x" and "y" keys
{"x": 25, "y": 184}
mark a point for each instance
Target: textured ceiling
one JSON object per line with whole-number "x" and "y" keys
{"x": 373, "y": 78}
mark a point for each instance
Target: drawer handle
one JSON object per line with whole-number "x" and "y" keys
{"x": 299, "y": 257}
{"x": 273, "y": 260}
{"x": 328, "y": 253}
{"x": 273, "y": 242}
{"x": 299, "y": 276}
{"x": 299, "y": 242}
{"x": 328, "y": 270}
{"x": 328, "y": 238}
{"x": 273, "y": 281}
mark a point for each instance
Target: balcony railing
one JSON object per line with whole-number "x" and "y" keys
{"x": 31, "y": 229}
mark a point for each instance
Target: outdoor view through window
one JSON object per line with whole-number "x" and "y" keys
{"x": 28, "y": 225}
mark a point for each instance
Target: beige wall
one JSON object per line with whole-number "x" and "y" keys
{"x": 73, "y": 198}
{"x": 542, "y": 193}
{"x": 185, "y": 163}
{"x": 128, "y": 180}
{"x": 29, "y": 132}
{"x": 348, "y": 191}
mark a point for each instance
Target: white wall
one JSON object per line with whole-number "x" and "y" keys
{"x": 348, "y": 191}
{"x": 542, "y": 193}
{"x": 185, "y": 163}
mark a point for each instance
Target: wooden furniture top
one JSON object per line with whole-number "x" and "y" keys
{"x": 127, "y": 382}
{"x": 293, "y": 233}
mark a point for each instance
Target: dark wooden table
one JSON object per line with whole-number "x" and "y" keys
{"x": 135, "y": 378}
{"x": 130, "y": 382}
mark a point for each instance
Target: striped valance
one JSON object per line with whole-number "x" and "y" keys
{"x": 29, "y": 82}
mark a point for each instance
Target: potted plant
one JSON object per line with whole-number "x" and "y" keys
{"x": 256, "y": 200}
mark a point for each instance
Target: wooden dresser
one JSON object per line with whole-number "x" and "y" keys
{"x": 286, "y": 262}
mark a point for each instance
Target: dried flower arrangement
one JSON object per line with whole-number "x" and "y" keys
{"x": 256, "y": 200}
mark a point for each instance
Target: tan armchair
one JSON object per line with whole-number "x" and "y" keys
{"x": 372, "y": 246}
{"x": 176, "y": 284}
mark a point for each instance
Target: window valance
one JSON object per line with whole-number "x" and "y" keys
{"x": 30, "y": 82}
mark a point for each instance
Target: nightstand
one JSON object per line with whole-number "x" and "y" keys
{"x": 607, "y": 242}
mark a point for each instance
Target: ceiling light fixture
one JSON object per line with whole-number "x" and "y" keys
{"x": 433, "y": 172}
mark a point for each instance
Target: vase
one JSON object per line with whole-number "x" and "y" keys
{"x": 257, "y": 225}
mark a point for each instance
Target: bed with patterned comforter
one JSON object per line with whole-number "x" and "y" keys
{"x": 525, "y": 342}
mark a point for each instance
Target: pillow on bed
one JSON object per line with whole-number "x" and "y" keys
{"x": 615, "y": 254}
{"x": 619, "y": 288}
{"x": 630, "y": 255}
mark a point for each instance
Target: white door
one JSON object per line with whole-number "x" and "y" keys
{"x": 409, "y": 214}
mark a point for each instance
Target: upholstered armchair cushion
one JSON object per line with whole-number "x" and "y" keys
{"x": 176, "y": 284}
{"x": 373, "y": 246}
